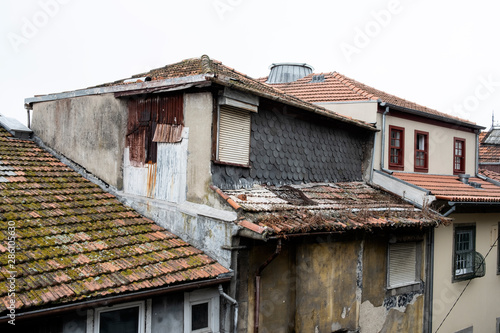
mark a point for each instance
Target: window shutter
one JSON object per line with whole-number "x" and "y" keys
{"x": 234, "y": 135}
{"x": 402, "y": 264}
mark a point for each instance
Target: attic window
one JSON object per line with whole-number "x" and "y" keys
{"x": 318, "y": 78}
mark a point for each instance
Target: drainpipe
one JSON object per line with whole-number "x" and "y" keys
{"x": 373, "y": 156}
{"x": 257, "y": 285}
{"x": 430, "y": 280}
{"x": 234, "y": 303}
{"x": 477, "y": 154}
{"x": 382, "y": 140}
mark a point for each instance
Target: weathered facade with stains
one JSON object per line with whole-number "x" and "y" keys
{"x": 184, "y": 142}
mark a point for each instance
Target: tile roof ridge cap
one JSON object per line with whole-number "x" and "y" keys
{"x": 350, "y": 83}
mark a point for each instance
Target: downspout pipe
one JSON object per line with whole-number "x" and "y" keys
{"x": 373, "y": 156}
{"x": 257, "y": 285}
{"x": 430, "y": 280}
{"x": 382, "y": 140}
{"x": 234, "y": 303}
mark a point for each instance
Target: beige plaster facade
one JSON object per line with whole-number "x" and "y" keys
{"x": 479, "y": 305}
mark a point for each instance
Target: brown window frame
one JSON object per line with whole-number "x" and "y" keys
{"x": 425, "y": 167}
{"x": 462, "y": 157}
{"x": 401, "y": 148}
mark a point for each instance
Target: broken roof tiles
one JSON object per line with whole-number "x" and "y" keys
{"x": 74, "y": 241}
{"x": 450, "y": 188}
{"x": 324, "y": 207}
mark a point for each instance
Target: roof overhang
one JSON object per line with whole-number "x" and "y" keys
{"x": 475, "y": 127}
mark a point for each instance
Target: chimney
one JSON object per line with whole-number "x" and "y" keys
{"x": 288, "y": 72}
{"x": 464, "y": 178}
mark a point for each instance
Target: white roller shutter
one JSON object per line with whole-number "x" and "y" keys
{"x": 234, "y": 135}
{"x": 402, "y": 264}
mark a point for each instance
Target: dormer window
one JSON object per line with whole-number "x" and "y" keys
{"x": 396, "y": 148}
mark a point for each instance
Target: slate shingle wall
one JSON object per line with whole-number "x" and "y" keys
{"x": 288, "y": 149}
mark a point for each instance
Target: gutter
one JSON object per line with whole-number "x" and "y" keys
{"x": 433, "y": 116}
{"x": 120, "y": 298}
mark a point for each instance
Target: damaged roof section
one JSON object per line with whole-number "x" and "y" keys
{"x": 72, "y": 241}
{"x": 325, "y": 207}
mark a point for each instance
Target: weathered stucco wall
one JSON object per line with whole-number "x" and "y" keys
{"x": 327, "y": 284}
{"x": 89, "y": 130}
{"x": 198, "y": 115}
{"x": 479, "y": 305}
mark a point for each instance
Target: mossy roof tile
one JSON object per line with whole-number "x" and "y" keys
{"x": 74, "y": 241}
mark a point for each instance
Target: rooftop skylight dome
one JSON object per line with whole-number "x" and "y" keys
{"x": 286, "y": 72}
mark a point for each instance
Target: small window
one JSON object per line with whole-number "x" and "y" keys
{"x": 233, "y": 142}
{"x": 464, "y": 252}
{"x": 402, "y": 264}
{"x": 201, "y": 311}
{"x": 459, "y": 156}
{"x": 396, "y": 148}
{"x": 421, "y": 151}
{"x": 126, "y": 318}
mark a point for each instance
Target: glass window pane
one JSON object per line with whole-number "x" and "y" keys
{"x": 199, "y": 316}
{"x": 120, "y": 321}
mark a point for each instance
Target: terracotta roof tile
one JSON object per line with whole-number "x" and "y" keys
{"x": 74, "y": 241}
{"x": 448, "y": 187}
{"x": 339, "y": 88}
{"x": 219, "y": 73}
{"x": 320, "y": 207}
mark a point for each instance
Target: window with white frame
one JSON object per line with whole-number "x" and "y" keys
{"x": 201, "y": 311}
{"x": 403, "y": 264}
{"x": 122, "y": 318}
{"x": 464, "y": 252}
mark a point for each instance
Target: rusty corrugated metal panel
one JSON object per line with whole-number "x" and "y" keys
{"x": 168, "y": 133}
{"x": 145, "y": 114}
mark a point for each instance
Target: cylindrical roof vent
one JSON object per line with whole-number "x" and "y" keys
{"x": 288, "y": 72}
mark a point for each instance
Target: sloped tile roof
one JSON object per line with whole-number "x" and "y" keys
{"x": 490, "y": 174}
{"x": 489, "y": 146}
{"x": 75, "y": 241}
{"x": 219, "y": 73}
{"x": 450, "y": 188}
{"x": 339, "y": 88}
{"x": 324, "y": 207}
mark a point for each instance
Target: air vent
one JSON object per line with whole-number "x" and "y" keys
{"x": 288, "y": 72}
{"x": 475, "y": 185}
{"x": 15, "y": 128}
{"x": 318, "y": 78}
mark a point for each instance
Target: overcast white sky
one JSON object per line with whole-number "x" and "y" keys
{"x": 442, "y": 54}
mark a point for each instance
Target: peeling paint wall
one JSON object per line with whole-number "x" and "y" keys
{"x": 88, "y": 130}
{"x": 325, "y": 284}
{"x": 165, "y": 179}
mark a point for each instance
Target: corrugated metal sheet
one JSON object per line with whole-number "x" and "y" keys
{"x": 234, "y": 135}
{"x": 144, "y": 115}
{"x": 168, "y": 133}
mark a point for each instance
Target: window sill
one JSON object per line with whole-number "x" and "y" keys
{"x": 405, "y": 288}
{"x": 422, "y": 170}
{"x": 396, "y": 167}
{"x": 232, "y": 164}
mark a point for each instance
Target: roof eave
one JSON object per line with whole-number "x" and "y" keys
{"x": 141, "y": 87}
{"x": 432, "y": 116}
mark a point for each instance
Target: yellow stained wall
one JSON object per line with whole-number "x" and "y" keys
{"x": 317, "y": 287}
{"x": 479, "y": 305}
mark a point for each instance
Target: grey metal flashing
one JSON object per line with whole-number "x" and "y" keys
{"x": 432, "y": 116}
{"x": 497, "y": 183}
{"x": 489, "y": 163}
{"x": 403, "y": 182}
{"x": 120, "y": 88}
